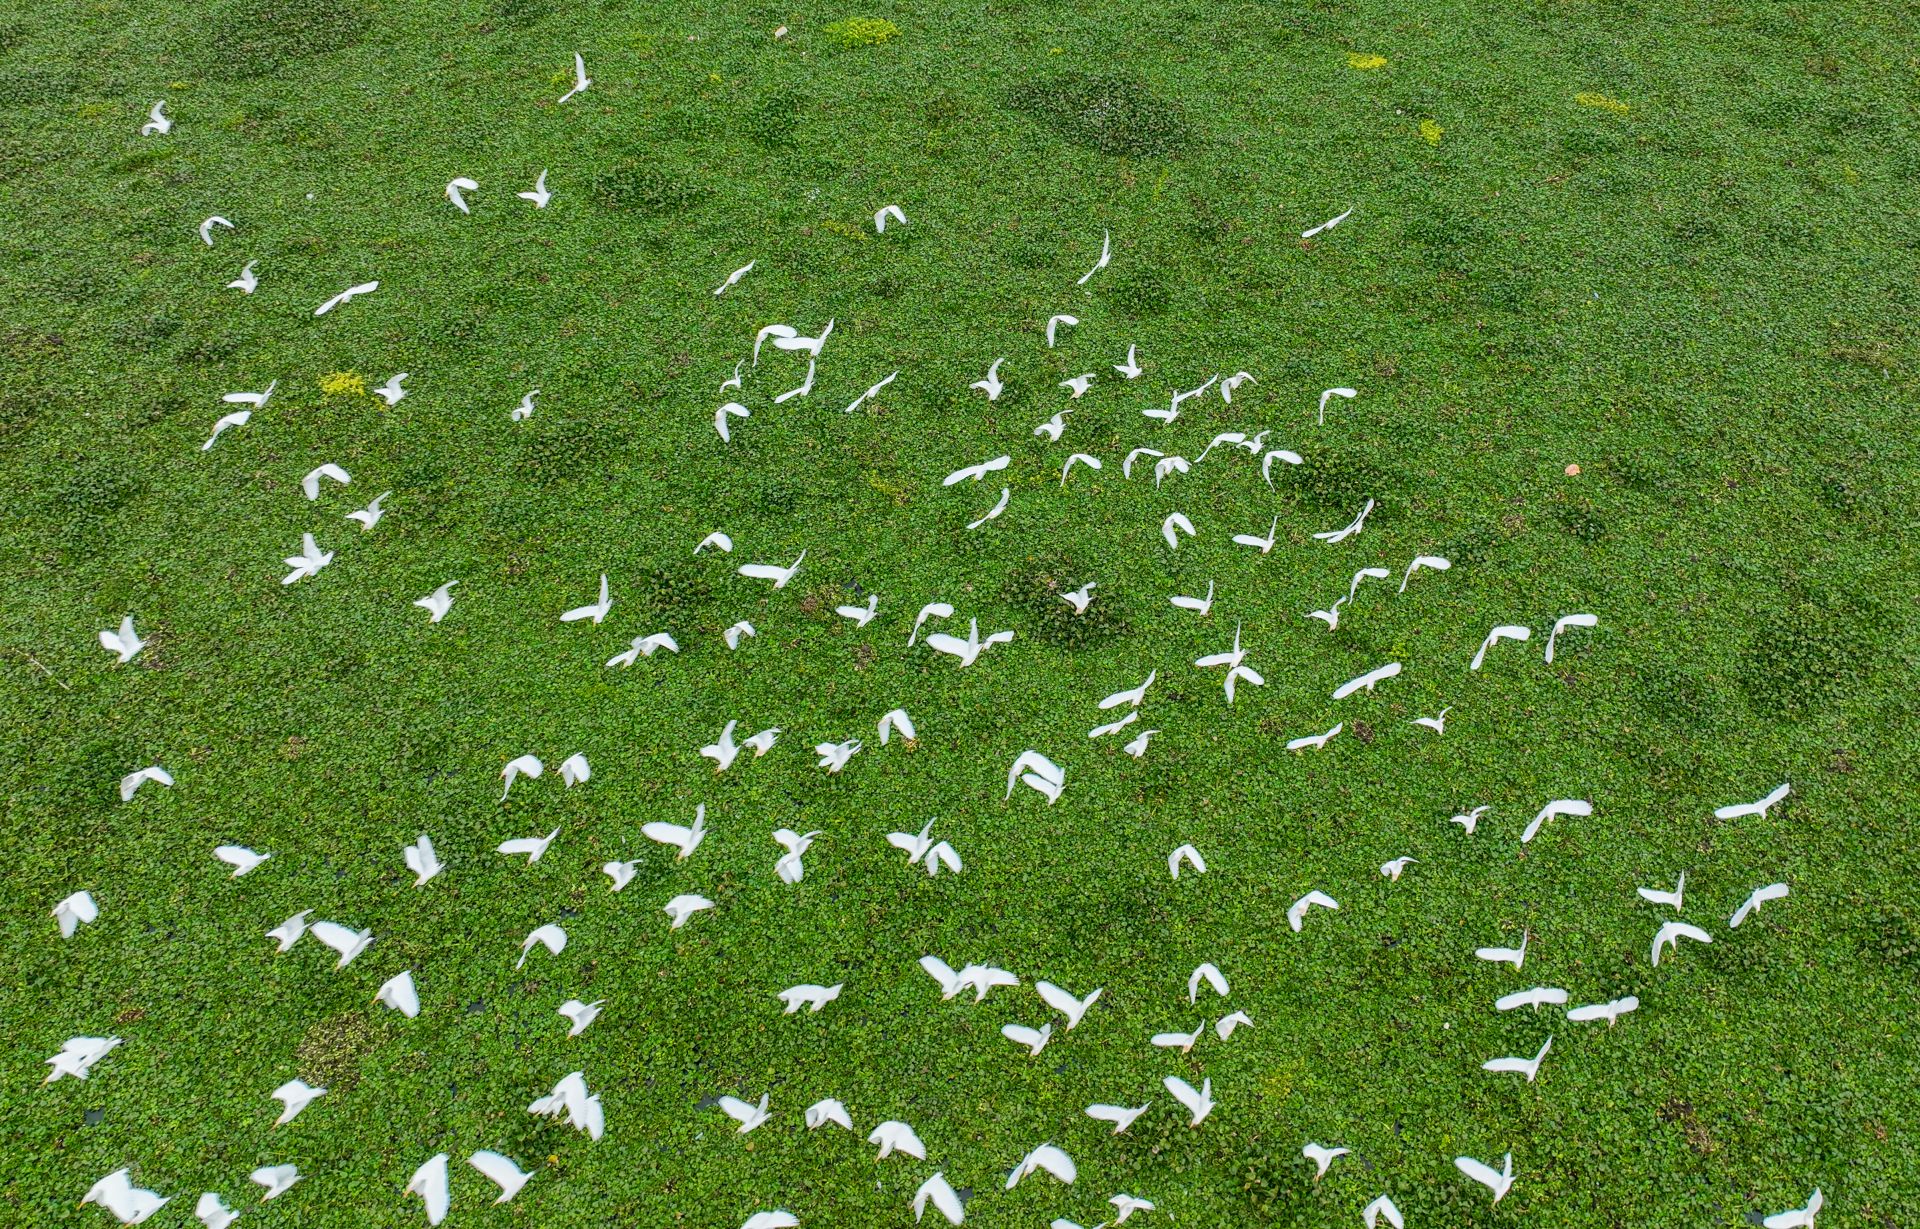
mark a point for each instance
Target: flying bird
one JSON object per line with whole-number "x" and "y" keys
{"x": 834, "y": 756}
{"x": 348, "y": 942}
{"x": 1188, "y": 855}
{"x": 1346, "y": 393}
{"x": 1537, "y": 997}
{"x": 1798, "y": 1218}
{"x": 1368, "y": 681}
{"x": 1130, "y": 369}
{"x": 594, "y": 612}
{"x": 1034, "y": 1039}
{"x": 885, "y": 212}
{"x": 1171, "y": 529}
{"x": 1064, "y": 1002}
{"x": 1317, "y": 741}
{"x": 969, "y": 650}
{"x": 157, "y": 122}
{"x": 1223, "y": 1027}
{"x": 1199, "y": 1102}
{"x": 1183, "y": 1042}
{"x": 398, "y": 992}
{"x": 733, "y": 279}
{"x": 1658, "y": 896}
{"x": 1078, "y": 386}
{"x": 1297, "y": 911}
{"x": 1037, "y": 771}
{"x": 213, "y": 1212}
{"x": 437, "y": 603}
{"x": 309, "y": 561}
{"x": 896, "y": 719}
{"x": 535, "y": 847}
{"x": 860, "y": 615}
{"x": 350, "y": 293}
{"x": 920, "y": 848}
{"x": 520, "y": 766}
{"x": 548, "y": 936}
{"x": 1469, "y": 819}
{"x": 1264, "y": 545}
{"x": 1760, "y": 896}
{"x": 1529, "y": 1067}
{"x": 240, "y": 858}
{"x": 1054, "y": 322}
{"x": 1121, "y": 1116}
{"x": 580, "y": 79}
{"x": 206, "y": 228}
{"x": 124, "y": 644}
{"x": 310, "y": 485}
{"x": 684, "y": 839}
{"x": 294, "y": 1095}
{"x": 932, "y": 610}
{"x": 1106, "y": 254}
{"x": 1321, "y": 1156}
{"x": 1505, "y": 631}
{"x": 499, "y": 1170}
{"x": 1515, "y": 956}
{"x": 1430, "y": 562}
{"x": 421, "y": 860}
{"x": 1199, "y": 605}
{"x": 1610, "y": 1012}
{"x": 539, "y": 196}
{"x": 1278, "y": 454}
{"x": 1045, "y": 1159}
{"x": 1438, "y": 724}
{"x": 738, "y": 632}
{"x": 944, "y": 1198}
{"x": 1332, "y": 536}
{"x": 1209, "y": 973}
{"x": 1080, "y": 598}
{"x": 75, "y": 911}
{"x": 248, "y": 281}
{"x": 287, "y": 933}
{"x": 1126, "y": 466}
{"x": 1329, "y": 224}
{"x": 131, "y": 1204}
{"x": 994, "y": 512}
{"x": 732, "y": 409}
{"x": 1499, "y": 1181}
{"x": 1746, "y": 809}
{"x": 893, "y": 1136}
{"x": 683, "y": 907}
{"x": 1671, "y": 933}
{"x": 644, "y": 646}
{"x": 456, "y": 190}
{"x": 1382, "y": 1208}
{"x": 1558, "y": 807}
{"x": 788, "y": 866}
{"x": 809, "y": 996}
{"x": 990, "y": 383}
{"x": 1131, "y": 697}
{"x": 78, "y": 1055}
{"x": 1563, "y": 623}
{"x": 1330, "y": 616}
{"x": 828, "y": 1110}
{"x": 370, "y": 515}
{"x": 621, "y": 873}
{"x": 1394, "y": 869}
{"x": 430, "y": 1182}
{"x": 134, "y": 780}
{"x": 778, "y": 575}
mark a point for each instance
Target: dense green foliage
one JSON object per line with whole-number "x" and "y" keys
{"x": 1672, "y": 244}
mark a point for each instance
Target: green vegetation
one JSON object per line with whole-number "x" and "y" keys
{"x": 1670, "y": 244}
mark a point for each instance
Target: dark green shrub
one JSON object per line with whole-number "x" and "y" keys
{"x": 1113, "y": 113}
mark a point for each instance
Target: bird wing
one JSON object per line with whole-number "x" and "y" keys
{"x": 665, "y": 833}
{"x": 501, "y": 1170}
{"x": 1481, "y": 1172}
{"x": 762, "y": 571}
{"x": 734, "y": 1107}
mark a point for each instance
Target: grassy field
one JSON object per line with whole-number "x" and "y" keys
{"x": 1672, "y": 245}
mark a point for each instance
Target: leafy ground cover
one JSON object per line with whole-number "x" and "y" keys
{"x": 1669, "y": 245}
